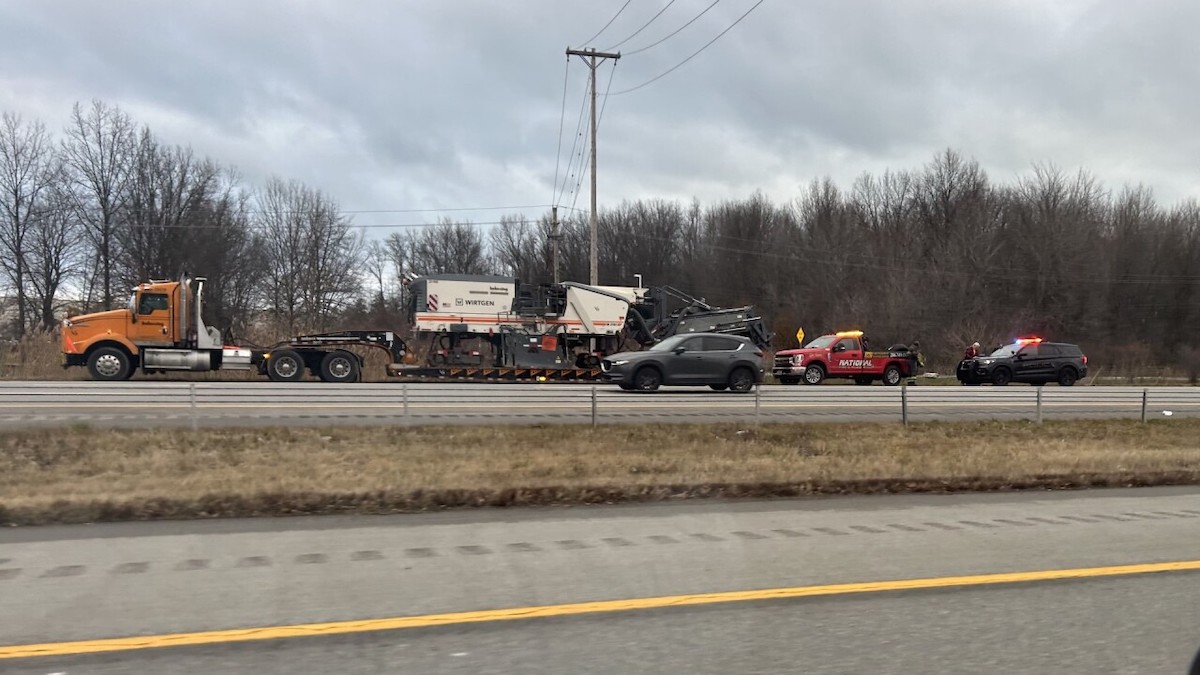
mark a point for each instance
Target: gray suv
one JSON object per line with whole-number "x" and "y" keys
{"x": 715, "y": 359}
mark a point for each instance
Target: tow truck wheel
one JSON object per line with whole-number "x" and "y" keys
{"x": 647, "y": 379}
{"x": 892, "y": 375}
{"x": 814, "y": 374}
{"x": 339, "y": 366}
{"x": 109, "y": 364}
{"x": 741, "y": 381}
{"x": 1067, "y": 377}
{"x": 1001, "y": 377}
{"x": 285, "y": 365}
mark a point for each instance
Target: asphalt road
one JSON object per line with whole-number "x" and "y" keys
{"x": 226, "y": 404}
{"x": 87, "y": 582}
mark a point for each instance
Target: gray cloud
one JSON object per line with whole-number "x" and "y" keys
{"x": 452, "y": 104}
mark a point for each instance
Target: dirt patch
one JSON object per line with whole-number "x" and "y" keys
{"x": 83, "y": 475}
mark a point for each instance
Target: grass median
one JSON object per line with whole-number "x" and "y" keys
{"x": 83, "y": 475}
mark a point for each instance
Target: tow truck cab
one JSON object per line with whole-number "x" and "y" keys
{"x": 845, "y": 355}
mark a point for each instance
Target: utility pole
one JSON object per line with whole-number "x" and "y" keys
{"x": 590, "y": 57}
{"x": 554, "y": 237}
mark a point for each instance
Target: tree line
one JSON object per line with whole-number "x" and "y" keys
{"x": 939, "y": 253}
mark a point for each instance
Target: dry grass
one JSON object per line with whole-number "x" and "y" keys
{"x": 81, "y": 475}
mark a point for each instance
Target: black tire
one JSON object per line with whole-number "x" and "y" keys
{"x": 718, "y": 387}
{"x": 340, "y": 366}
{"x": 863, "y": 380}
{"x": 1067, "y": 377}
{"x": 110, "y": 364}
{"x": 647, "y": 379}
{"x": 285, "y": 365}
{"x": 1001, "y": 377}
{"x": 892, "y": 375}
{"x": 741, "y": 381}
{"x": 789, "y": 379}
{"x": 625, "y": 387}
{"x": 814, "y": 374}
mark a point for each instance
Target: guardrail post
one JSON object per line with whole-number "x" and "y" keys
{"x": 1145, "y": 395}
{"x": 757, "y": 403}
{"x": 404, "y": 398}
{"x": 1039, "y": 404}
{"x": 594, "y": 422}
{"x": 904, "y": 403}
{"x": 192, "y": 399}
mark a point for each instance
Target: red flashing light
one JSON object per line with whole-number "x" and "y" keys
{"x": 1029, "y": 341}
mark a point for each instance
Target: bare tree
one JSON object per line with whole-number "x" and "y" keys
{"x": 449, "y": 248}
{"x": 27, "y": 174}
{"x": 311, "y": 253}
{"x": 98, "y": 152}
{"x": 55, "y": 252}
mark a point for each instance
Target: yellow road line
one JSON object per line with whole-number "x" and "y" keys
{"x": 545, "y": 611}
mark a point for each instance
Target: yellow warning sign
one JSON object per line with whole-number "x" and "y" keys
{"x": 800, "y": 336}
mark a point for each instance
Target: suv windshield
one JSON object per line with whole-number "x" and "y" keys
{"x": 822, "y": 342}
{"x": 1007, "y": 350}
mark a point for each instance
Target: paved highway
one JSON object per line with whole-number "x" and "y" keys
{"x": 223, "y": 404}
{"x": 835, "y": 570}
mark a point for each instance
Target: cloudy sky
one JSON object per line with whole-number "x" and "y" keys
{"x": 453, "y": 104}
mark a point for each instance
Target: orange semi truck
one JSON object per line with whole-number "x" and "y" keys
{"x": 162, "y": 330}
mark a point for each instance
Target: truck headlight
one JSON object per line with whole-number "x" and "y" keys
{"x": 797, "y": 359}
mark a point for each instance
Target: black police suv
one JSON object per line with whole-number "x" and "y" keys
{"x": 1026, "y": 360}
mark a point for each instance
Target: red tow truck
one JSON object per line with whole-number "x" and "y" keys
{"x": 845, "y": 355}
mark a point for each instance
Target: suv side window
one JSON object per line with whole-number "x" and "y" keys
{"x": 1051, "y": 351}
{"x": 720, "y": 344}
{"x": 1070, "y": 350}
{"x": 1029, "y": 351}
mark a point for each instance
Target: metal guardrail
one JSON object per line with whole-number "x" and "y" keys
{"x": 175, "y": 403}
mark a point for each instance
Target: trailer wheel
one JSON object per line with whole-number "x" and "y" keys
{"x": 339, "y": 366}
{"x": 285, "y": 365}
{"x": 110, "y": 364}
{"x": 892, "y": 375}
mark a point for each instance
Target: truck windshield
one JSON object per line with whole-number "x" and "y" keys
{"x": 822, "y": 342}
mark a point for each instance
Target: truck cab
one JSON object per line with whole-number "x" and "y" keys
{"x": 844, "y": 355}
{"x": 160, "y": 329}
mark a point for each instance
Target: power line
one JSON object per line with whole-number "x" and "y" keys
{"x": 562, "y": 117}
{"x": 611, "y": 74}
{"x": 575, "y": 143}
{"x": 644, "y": 27}
{"x": 589, "y": 40}
{"x": 676, "y": 32}
{"x": 694, "y": 54}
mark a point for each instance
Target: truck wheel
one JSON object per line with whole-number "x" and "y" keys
{"x": 814, "y": 374}
{"x": 1001, "y": 377}
{"x": 789, "y": 379}
{"x": 285, "y": 365}
{"x": 1067, "y": 377}
{"x": 892, "y": 375}
{"x": 109, "y": 364}
{"x": 863, "y": 380}
{"x": 741, "y": 380}
{"x": 718, "y": 387}
{"x": 339, "y": 366}
{"x": 647, "y": 379}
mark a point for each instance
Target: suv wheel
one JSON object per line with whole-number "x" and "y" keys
{"x": 647, "y": 379}
{"x": 741, "y": 380}
{"x": 1001, "y": 377}
{"x": 1067, "y": 377}
{"x": 814, "y": 374}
